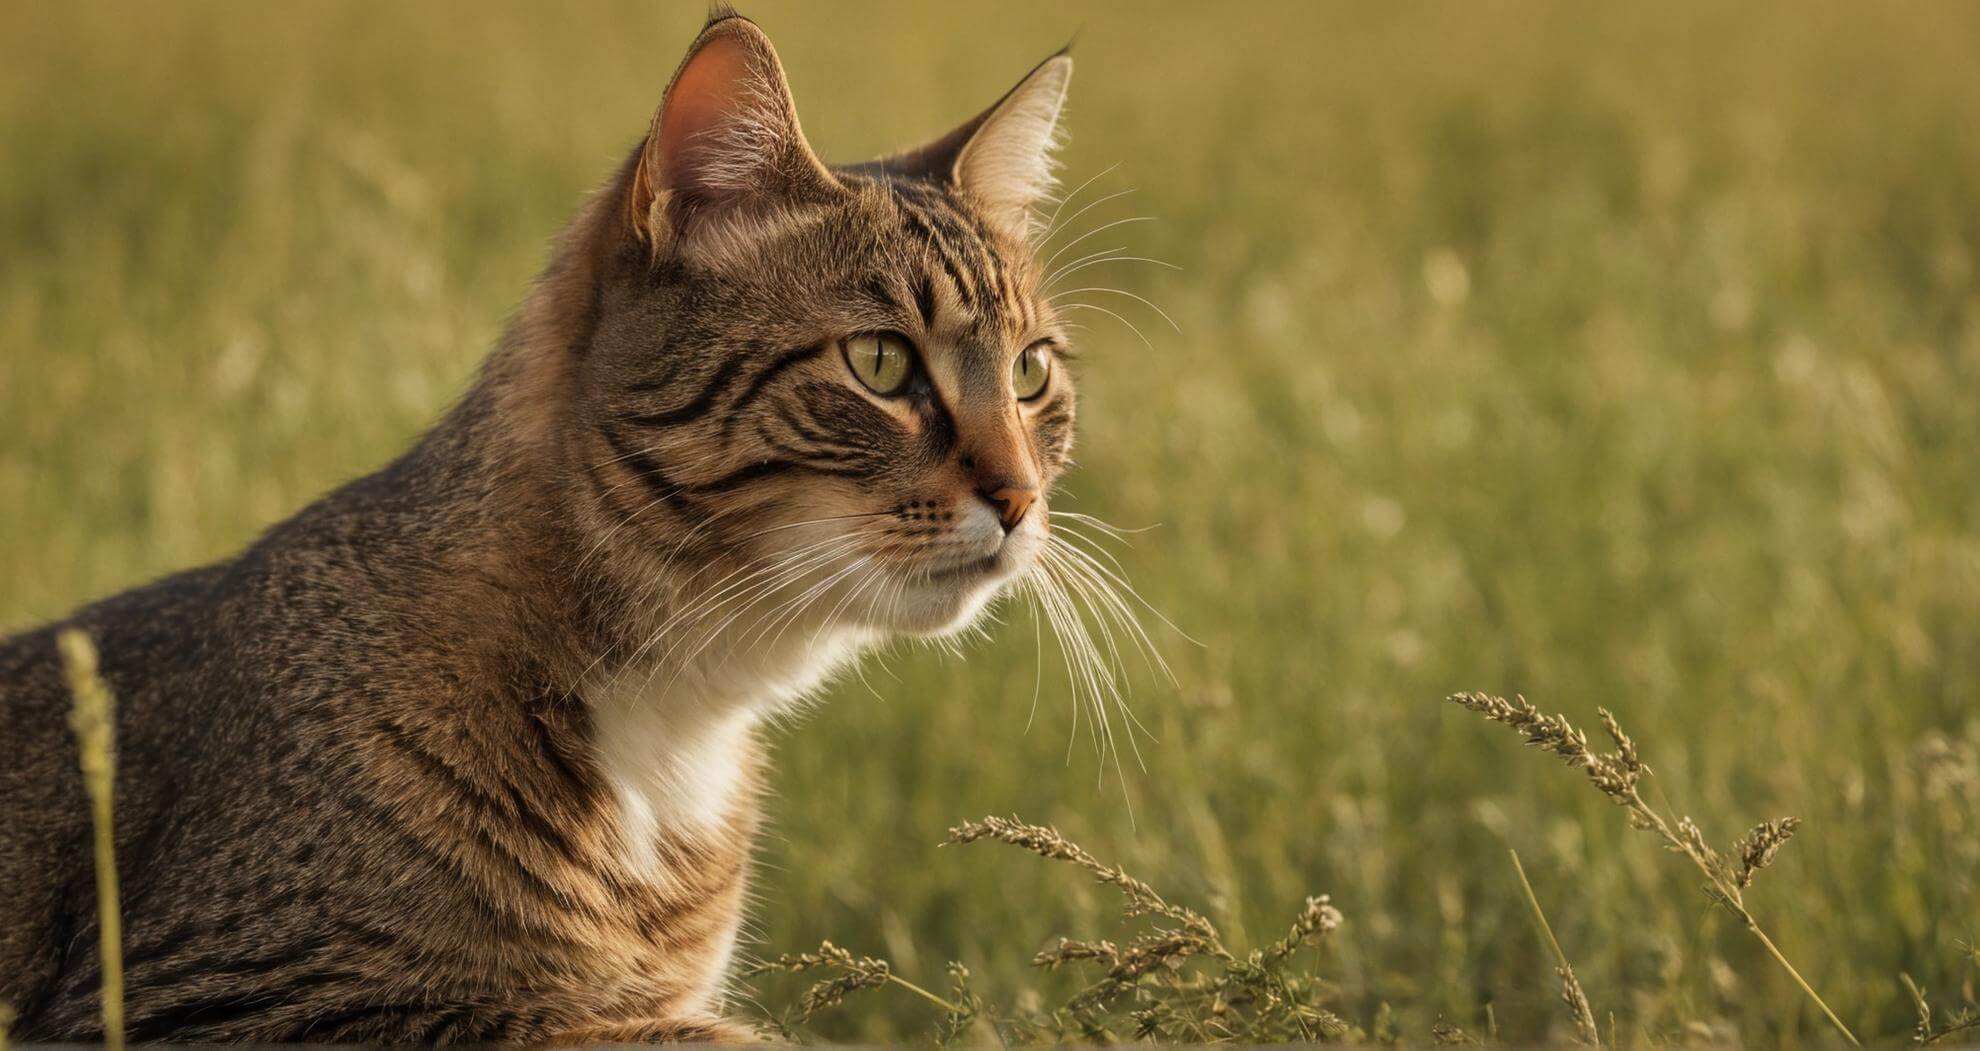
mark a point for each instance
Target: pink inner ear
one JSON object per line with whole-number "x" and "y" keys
{"x": 708, "y": 91}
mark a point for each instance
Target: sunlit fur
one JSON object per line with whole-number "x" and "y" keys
{"x": 477, "y": 752}
{"x": 725, "y": 430}
{"x": 744, "y": 489}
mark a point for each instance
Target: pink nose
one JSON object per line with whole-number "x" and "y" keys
{"x": 1011, "y": 502}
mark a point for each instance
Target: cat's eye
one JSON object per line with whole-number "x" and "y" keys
{"x": 1031, "y": 371}
{"x": 883, "y": 361}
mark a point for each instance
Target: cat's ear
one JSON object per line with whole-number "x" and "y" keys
{"x": 1003, "y": 157}
{"x": 725, "y": 137}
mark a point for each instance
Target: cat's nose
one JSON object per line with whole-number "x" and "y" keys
{"x": 1010, "y": 500}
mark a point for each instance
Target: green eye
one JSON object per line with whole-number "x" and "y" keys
{"x": 883, "y": 361}
{"x": 1031, "y": 370}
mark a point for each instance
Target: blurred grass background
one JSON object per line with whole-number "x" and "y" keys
{"x": 1623, "y": 357}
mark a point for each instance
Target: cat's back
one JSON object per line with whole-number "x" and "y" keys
{"x": 152, "y": 640}
{"x": 240, "y": 815}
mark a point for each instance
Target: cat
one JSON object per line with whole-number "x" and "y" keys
{"x": 467, "y": 749}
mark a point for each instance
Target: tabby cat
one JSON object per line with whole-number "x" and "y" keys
{"x": 467, "y": 750}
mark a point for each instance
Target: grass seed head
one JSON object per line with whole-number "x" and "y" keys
{"x": 1317, "y": 920}
{"x": 1444, "y": 1034}
{"x": 1615, "y": 773}
{"x": 1176, "y": 981}
{"x": 1074, "y": 950}
{"x": 855, "y": 973}
{"x": 1577, "y": 1003}
{"x": 1757, "y": 850}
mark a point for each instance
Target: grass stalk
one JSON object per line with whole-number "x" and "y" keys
{"x": 1781, "y": 959}
{"x": 853, "y": 973}
{"x": 923, "y": 993}
{"x": 1571, "y": 992}
{"x": 96, "y": 734}
{"x": 1616, "y": 774}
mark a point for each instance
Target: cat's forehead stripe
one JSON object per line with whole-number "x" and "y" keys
{"x": 923, "y": 225}
{"x": 963, "y": 260}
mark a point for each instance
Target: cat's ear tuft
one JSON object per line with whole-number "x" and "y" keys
{"x": 726, "y": 136}
{"x": 1007, "y": 162}
{"x": 1002, "y": 157}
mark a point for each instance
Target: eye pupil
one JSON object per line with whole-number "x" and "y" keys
{"x": 1031, "y": 371}
{"x": 882, "y": 361}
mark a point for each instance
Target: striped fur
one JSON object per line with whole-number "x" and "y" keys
{"x": 465, "y": 751}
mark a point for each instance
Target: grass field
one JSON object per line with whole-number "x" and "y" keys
{"x": 1619, "y": 358}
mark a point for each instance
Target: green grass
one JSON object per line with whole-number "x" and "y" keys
{"x": 1617, "y": 357}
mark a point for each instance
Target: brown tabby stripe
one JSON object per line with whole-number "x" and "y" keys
{"x": 538, "y": 917}
{"x": 513, "y": 808}
{"x": 964, "y": 236}
{"x": 788, "y": 415}
{"x": 924, "y": 299}
{"x": 640, "y": 461}
{"x": 763, "y": 469}
{"x": 923, "y": 225}
{"x": 991, "y": 264}
{"x": 695, "y": 407}
{"x": 784, "y": 362}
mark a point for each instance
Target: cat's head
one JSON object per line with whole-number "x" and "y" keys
{"x": 841, "y": 387}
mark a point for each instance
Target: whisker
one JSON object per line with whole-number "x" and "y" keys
{"x": 779, "y": 568}
{"x": 791, "y": 567}
{"x": 1089, "y": 206}
{"x": 769, "y": 564}
{"x": 1111, "y": 314}
{"x": 1117, "y": 532}
{"x": 1084, "y": 262}
{"x": 1092, "y": 673}
{"x": 1115, "y": 694}
{"x": 1052, "y": 221}
{"x": 1121, "y": 292}
{"x": 1107, "y": 674}
{"x": 813, "y": 521}
{"x": 1071, "y": 530}
{"x": 1075, "y": 261}
{"x": 1133, "y": 592}
{"x": 749, "y": 599}
{"x": 1037, "y": 666}
{"x": 1107, "y": 600}
{"x": 1051, "y": 599}
{"x": 1102, "y": 228}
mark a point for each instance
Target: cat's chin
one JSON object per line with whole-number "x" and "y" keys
{"x": 942, "y": 607}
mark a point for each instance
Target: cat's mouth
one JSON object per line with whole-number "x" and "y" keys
{"x": 943, "y": 595}
{"x": 969, "y": 569}
{"x": 1006, "y": 559}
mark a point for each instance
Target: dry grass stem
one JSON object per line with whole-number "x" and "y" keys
{"x": 1046, "y": 842}
{"x": 96, "y": 733}
{"x": 1926, "y": 1032}
{"x": 854, "y": 973}
{"x": 1571, "y": 991}
{"x": 1179, "y": 980}
{"x": 1616, "y": 775}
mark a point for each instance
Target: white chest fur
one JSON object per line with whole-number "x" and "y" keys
{"x": 674, "y": 743}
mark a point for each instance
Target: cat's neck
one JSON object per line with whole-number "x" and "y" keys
{"x": 675, "y": 737}
{"x": 674, "y": 695}
{"x": 674, "y": 687}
